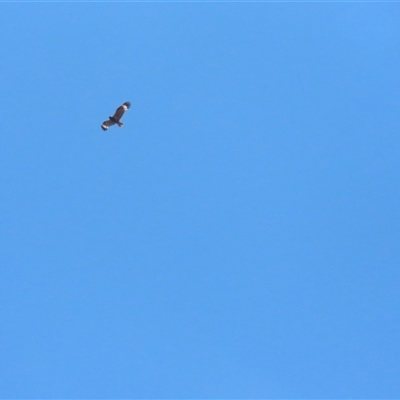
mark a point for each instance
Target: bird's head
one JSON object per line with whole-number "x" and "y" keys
{"x": 127, "y": 104}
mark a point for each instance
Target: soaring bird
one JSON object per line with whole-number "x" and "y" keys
{"x": 116, "y": 117}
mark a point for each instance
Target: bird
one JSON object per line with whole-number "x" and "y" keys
{"x": 115, "y": 119}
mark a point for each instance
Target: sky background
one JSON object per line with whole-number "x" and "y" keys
{"x": 237, "y": 238}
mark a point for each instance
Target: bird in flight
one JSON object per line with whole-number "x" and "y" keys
{"x": 115, "y": 119}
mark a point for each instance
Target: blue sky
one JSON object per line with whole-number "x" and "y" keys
{"x": 237, "y": 238}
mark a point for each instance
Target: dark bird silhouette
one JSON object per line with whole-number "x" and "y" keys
{"x": 115, "y": 119}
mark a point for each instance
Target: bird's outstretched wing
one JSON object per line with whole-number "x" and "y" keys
{"x": 106, "y": 124}
{"x": 119, "y": 113}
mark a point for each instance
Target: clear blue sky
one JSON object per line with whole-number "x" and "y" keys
{"x": 237, "y": 238}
